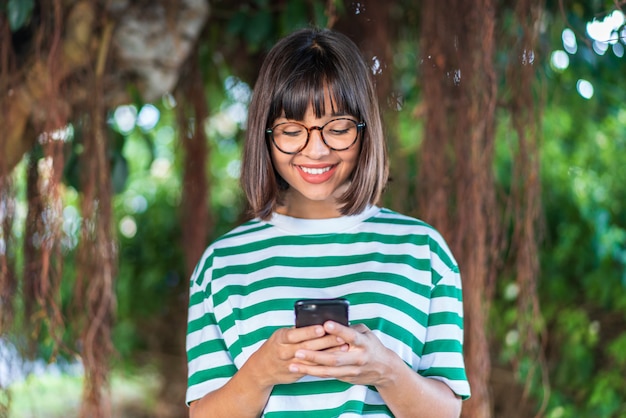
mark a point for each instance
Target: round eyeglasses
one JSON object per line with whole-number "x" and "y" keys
{"x": 338, "y": 135}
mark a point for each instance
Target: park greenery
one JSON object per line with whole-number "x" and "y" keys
{"x": 580, "y": 90}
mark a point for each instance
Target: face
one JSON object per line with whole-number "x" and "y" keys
{"x": 317, "y": 175}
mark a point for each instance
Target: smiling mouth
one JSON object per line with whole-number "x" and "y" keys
{"x": 315, "y": 171}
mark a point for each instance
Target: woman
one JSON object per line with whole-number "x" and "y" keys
{"x": 314, "y": 167}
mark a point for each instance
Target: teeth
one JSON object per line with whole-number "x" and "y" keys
{"x": 315, "y": 170}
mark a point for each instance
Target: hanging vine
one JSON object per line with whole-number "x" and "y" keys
{"x": 36, "y": 115}
{"x": 525, "y": 105}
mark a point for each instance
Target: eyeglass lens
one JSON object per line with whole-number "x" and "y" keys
{"x": 337, "y": 134}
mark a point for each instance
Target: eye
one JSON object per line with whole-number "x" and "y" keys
{"x": 291, "y": 130}
{"x": 339, "y": 131}
{"x": 340, "y": 127}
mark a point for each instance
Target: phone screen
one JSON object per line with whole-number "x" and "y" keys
{"x": 317, "y": 311}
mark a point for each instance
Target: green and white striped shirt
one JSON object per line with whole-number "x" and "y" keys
{"x": 397, "y": 273}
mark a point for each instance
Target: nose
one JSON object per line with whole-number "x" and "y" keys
{"x": 315, "y": 148}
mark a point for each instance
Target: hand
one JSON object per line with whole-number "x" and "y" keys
{"x": 247, "y": 392}
{"x": 365, "y": 360}
{"x": 270, "y": 363}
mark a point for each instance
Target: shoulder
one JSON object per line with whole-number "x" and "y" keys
{"x": 392, "y": 222}
{"x": 390, "y": 217}
{"x": 244, "y": 232}
{"x": 235, "y": 240}
{"x": 399, "y": 223}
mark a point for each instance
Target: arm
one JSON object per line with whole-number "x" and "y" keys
{"x": 368, "y": 362}
{"x": 409, "y": 394}
{"x": 247, "y": 392}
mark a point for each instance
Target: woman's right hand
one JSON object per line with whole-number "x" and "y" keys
{"x": 271, "y": 362}
{"x": 249, "y": 389}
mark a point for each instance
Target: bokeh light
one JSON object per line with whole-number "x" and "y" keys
{"x": 606, "y": 30}
{"x": 148, "y": 117}
{"x": 125, "y": 117}
{"x": 585, "y": 88}
{"x": 559, "y": 60}
{"x": 569, "y": 41}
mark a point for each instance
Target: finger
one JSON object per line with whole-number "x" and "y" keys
{"x": 334, "y": 358}
{"x": 347, "y": 334}
{"x": 326, "y": 342}
{"x": 342, "y": 347}
{"x": 298, "y": 335}
{"x": 324, "y": 371}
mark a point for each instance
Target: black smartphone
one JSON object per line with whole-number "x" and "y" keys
{"x": 318, "y": 311}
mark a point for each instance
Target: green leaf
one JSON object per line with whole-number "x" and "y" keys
{"x": 19, "y": 12}
{"x": 319, "y": 11}
{"x": 119, "y": 172}
{"x": 296, "y": 15}
{"x": 258, "y": 29}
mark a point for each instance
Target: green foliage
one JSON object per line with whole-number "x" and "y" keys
{"x": 19, "y": 13}
{"x": 151, "y": 274}
{"x": 254, "y": 25}
{"x": 259, "y": 25}
{"x": 583, "y": 264}
{"x": 58, "y": 396}
{"x": 118, "y": 163}
{"x": 151, "y": 269}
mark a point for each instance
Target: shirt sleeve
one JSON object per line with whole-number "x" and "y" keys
{"x": 442, "y": 357}
{"x": 209, "y": 363}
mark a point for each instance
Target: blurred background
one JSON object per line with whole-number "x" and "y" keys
{"x": 121, "y": 129}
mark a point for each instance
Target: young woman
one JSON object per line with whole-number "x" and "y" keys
{"x": 314, "y": 168}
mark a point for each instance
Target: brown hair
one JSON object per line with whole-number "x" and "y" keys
{"x": 294, "y": 76}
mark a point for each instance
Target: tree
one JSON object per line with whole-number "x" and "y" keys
{"x": 467, "y": 71}
{"x": 56, "y": 69}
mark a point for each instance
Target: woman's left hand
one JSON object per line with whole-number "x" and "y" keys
{"x": 362, "y": 360}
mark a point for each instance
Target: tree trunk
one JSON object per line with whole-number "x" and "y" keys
{"x": 456, "y": 186}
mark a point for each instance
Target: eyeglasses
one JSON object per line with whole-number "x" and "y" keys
{"x": 338, "y": 135}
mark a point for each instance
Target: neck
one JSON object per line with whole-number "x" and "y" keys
{"x": 308, "y": 209}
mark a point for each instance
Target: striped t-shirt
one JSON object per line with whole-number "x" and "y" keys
{"x": 397, "y": 273}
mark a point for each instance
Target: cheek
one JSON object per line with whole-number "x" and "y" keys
{"x": 352, "y": 161}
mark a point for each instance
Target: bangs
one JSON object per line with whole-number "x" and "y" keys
{"x": 309, "y": 85}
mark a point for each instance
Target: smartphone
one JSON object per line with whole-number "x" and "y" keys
{"x": 317, "y": 311}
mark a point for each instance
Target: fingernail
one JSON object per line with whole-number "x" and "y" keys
{"x": 340, "y": 340}
{"x": 330, "y": 325}
{"x": 299, "y": 354}
{"x": 293, "y": 368}
{"x": 320, "y": 331}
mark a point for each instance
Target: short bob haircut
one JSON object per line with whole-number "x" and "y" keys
{"x": 296, "y": 73}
